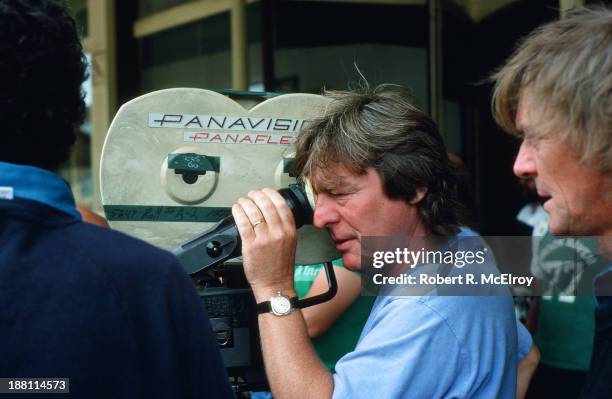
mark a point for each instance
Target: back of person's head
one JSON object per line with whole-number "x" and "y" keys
{"x": 384, "y": 130}
{"x": 566, "y": 69}
{"x": 41, "y": 71}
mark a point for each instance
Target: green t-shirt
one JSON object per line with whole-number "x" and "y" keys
{"x": 342, "y": 336}
{"x": 566, "y": 320}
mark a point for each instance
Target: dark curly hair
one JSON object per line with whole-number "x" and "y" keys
{"x": 383, "y": 129}
{"x": 42, "y": 68}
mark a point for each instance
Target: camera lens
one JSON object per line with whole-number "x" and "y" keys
{"x": 222, "y": 242}
{"x": 298, "y": 203}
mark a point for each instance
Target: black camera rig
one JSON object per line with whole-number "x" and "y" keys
{"x": 212, "y": 261}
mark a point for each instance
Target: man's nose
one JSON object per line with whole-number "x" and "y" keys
{"x": 525, "y": 165}
{"x": 324, "y": 213}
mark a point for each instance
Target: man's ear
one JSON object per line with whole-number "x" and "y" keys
{"x": 418, "y": 195}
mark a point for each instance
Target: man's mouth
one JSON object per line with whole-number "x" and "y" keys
{"x": 544, "y": 198}
{"x": 544, "y": 195}
{"x": 342, "y": 244}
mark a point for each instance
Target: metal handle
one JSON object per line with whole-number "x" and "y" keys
{"x": 332, "y": 288}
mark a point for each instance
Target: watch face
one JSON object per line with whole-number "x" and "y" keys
{"x": 280, "y": 305}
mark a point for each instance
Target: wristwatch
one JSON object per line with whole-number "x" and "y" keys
{"x": 278, "y": 305}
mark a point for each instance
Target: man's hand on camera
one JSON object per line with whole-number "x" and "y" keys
{"x": 268, "y": 234}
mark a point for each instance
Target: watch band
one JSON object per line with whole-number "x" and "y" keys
{"x": 266, "y": 307}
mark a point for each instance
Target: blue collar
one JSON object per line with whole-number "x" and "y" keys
{"x": 601, "y": 287}
{"x": 35, "y": 184}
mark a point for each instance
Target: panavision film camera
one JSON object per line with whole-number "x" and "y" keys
{"x": 174, "y": 161}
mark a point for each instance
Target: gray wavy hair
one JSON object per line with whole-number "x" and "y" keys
{"x": 566, "y": 67}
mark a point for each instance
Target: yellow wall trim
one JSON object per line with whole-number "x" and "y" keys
{"x": 567, "y": 5}
{"x": 404, "y": 2}
{"x": 179, "y": 15}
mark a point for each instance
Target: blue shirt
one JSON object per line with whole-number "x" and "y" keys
{"x": 115, "y": 315}
{"x": 435, "y": 347}
{"x": 602, "y": 285}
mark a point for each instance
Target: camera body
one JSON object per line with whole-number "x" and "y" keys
{"x": 231, "y": 309}
{"x": 230, "y": 305}
{"x": 176, "y": 160}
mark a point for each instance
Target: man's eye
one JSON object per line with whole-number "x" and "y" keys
{"x": 336, "y": 194}
{"x": 532, "y": 141}
{"x": 534, "y": 138}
